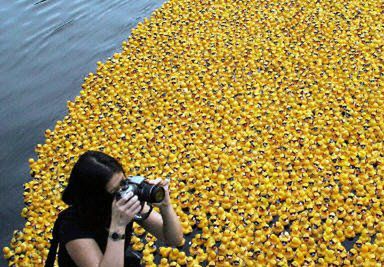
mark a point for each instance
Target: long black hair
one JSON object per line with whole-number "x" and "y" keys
{"x": 86, "y": 189}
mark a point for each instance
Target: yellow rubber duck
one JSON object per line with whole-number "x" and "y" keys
{"x": 174, "y": 263}
{"x": 278, "y": 227}
{"x": 211, "y": 254}
{"x": 195, "y": 249}
{"x": 187, "y": 228}
{"x": 138, "y": 230}
{"x": 349, "y": 232}
{"x": 138, "y": 246}
{"x": 197, "y": 240}
{"x": 151, "y": 247}
{"x": 289, "y": 253}
{"x": 220, "y": 260}
{"x": 261, "y": 259}
{"x": 299, "y": 257}
{"x": 201, "y": 257}
{"x": 182, "y": 258}
{"x": 7, "y": 252}
{"x": 173, "y": 254}
{"x": 148, "y": 258}
{"x": 164, "y": 262}
{"x": 295, "y": 242}
{"x": 164, "y": 251}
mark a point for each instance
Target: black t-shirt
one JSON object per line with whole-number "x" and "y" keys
{"x": 70, "y": 229}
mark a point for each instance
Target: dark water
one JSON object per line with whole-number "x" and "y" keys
{"x": 46, "y": 50}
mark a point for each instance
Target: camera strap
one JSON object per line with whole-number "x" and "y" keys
{"x": 143, "y": 217}
{"x": 54, "y": 243}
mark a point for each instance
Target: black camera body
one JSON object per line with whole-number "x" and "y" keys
{"x": 145, "y": 192}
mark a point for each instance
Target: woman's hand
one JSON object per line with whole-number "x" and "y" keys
{"x": 165, "y": 184}
{"x": 124, "y": 210}
{"x": 165, "y": 226}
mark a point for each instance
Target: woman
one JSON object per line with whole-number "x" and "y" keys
{"x": 91, "y": 231}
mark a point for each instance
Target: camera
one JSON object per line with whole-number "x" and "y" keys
{"x": 145, "y": 192}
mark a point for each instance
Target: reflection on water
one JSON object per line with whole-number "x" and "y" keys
{"x": 47, "y": 47}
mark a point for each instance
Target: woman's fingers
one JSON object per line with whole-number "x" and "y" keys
{"x": 119, "y": 202}
{"x": 123, "y": 201}
{"x": 131, "y": 203}
{"x": 135, "y": 208}
{"x": 156, "y": 181}
{"x": 164, "y": 183}
{"x": 138, "y": 208}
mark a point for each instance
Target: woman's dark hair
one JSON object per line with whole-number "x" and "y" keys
{"x": 86, "y": 189}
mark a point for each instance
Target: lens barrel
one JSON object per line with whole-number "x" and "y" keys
{"x": 152, "y": 193}
{"x": 157, "y": 194}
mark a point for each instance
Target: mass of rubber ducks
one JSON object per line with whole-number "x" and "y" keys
{"x": 266, "y": 115}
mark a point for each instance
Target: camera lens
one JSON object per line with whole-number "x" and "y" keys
{"x": 152, "y": 193}
{"x": 158, "y": 194}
